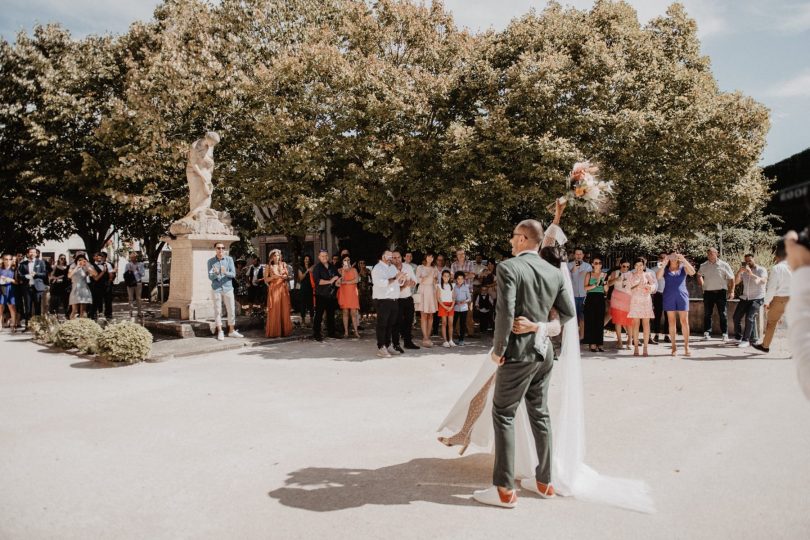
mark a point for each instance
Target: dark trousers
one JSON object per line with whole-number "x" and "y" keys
{"x": 710, "y": 300}
{"x": 658, "y": 310}
{"x": 594, "y": 315}
{"x": 32, "y": 299}
{"x": 59, "y": 300}
{"x": 485, "y": 320}
{"x": 514, "y": 382}
{"x": 97, "y": 306}
{"x": 460, "y": 319}
{"x": 749, "y": 310}
{"x": 108, "y": 301}
{"x": 387, "y": 318}
{"x": 306, "y": 303}
{"x": 404, "y": 326}
{"x": 329, "y": 305}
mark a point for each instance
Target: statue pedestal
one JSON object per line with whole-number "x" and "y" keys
{"x": 190, "y": 288}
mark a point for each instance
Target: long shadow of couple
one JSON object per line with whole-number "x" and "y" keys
{"x": 442, "y": 481}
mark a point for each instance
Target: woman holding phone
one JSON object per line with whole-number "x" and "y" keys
{"x": 594, "y": 306}
{"x": 676, "y": 297}
{"x": 642, "y": 286}
{"x": 348, "y": 296}
{"x": 620, "y": 302}
{"x": 80, "y": 294}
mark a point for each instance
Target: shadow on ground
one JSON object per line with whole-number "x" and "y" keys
{"x": 353, "y": 350}
{"x": 441, "y": 481}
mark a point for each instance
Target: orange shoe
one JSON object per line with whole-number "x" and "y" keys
{"x": 495, "y": 496}
{"x": 545, "y": 491}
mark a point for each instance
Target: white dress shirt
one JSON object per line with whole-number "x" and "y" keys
{"x": 798, "y": 318}
{"x": 778, "y": 282}
{"x": 407, "y": 292}
{"x": 382, "y": 288}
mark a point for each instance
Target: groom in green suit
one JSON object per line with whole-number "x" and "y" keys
{"x": 528, "y": 287}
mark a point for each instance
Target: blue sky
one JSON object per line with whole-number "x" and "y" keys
{"x": 760, "y": 47}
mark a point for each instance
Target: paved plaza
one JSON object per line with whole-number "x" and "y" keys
{"x": 324, "y": 440}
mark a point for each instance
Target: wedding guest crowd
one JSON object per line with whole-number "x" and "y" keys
{"x": 452, "y": 301}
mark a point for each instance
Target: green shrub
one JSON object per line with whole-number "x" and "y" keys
{"x": 79, "y": 334}
{"x": 44, "y": 327}
{"x": 125, "y": 342}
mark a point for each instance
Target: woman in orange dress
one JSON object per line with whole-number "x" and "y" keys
{"x": 279, "y": 323}
{"x": 348, "y": 297}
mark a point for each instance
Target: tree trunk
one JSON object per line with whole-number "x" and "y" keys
{"x": 153, "y": 246}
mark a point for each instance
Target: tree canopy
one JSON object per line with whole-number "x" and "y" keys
{"x": 381, "y": 112}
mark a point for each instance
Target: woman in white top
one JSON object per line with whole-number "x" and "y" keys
{"x": 426, "y": 276}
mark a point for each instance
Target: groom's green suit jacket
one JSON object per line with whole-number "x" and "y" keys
{"x": 528, "y": 286}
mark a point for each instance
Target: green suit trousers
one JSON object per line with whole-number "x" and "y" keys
{"x": 516, "y": 381}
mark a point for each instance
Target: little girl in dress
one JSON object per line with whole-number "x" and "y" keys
{"x": 444, "y": 296}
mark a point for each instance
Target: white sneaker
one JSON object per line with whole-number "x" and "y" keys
{"x": 725, "y": 338}
{"x": 743, "y": 344}
{"x": 383, "y": 353}
{"x": 492, "y": 497}
{"x": 453, "y": 344}
{"x": 235, "y": 333}
{"x": 446, "y": 344}
{"x": 391, "y": 350}
{"x": 530, "y": 484}
{"x": 707, "y": 335}
{"x": 220, "y": 336}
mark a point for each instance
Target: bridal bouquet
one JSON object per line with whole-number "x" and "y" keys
{"x": 585, "y": 189}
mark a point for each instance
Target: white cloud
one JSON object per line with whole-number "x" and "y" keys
{"x": 795, "y": 18}
{"x": 798, "y": 86}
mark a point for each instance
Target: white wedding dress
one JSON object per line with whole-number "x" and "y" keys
{"x": 570, "y": 475}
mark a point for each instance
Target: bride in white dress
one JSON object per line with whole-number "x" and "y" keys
{"x": 470, "y": 420}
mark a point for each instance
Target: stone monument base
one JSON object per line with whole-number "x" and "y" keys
{"x": 190, "y": 288}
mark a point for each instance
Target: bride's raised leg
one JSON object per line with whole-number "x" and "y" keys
{"x": 477, "y": 404}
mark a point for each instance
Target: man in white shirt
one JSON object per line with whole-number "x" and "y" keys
{"x": 754, "y": 278}
{"x": 405, "y": 309}
{"x": 798, "y": 310}
{"x": 777, "y": 294}
{"x": 385, "y": 293}
{"x": 578, "y": 268}
{"x": 716, "y": 278}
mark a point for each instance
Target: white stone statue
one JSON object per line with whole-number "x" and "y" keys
{"x": 202, "y": 219}
{"x": 199, "y": 170}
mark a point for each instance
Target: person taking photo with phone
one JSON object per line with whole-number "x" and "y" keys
{"x": 754, "y": 279}
{"x": 676, "y": 297}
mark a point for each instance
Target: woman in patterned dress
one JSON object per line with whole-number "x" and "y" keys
{"x": 642, "y": 286}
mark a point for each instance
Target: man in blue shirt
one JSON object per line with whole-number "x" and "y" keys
{"x": 221, "y": 271}
{"x": 579, "y": 268}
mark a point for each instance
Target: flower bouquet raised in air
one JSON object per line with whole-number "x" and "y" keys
{"x": 585, "y": 189}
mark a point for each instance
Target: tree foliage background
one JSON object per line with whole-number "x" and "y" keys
{"x": 383, "y": 112}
